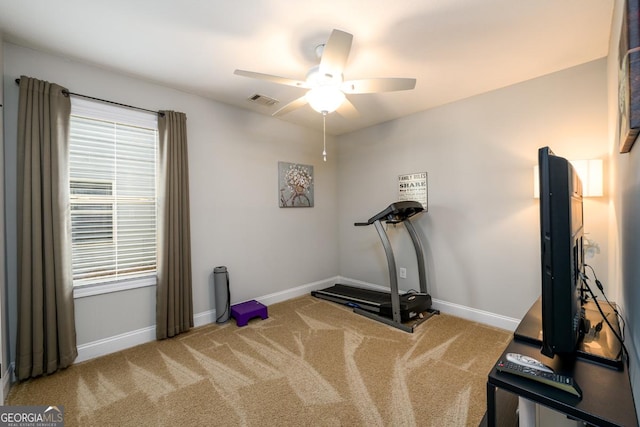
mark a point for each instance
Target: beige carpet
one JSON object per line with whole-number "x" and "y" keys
{"x": 312, "y": 362}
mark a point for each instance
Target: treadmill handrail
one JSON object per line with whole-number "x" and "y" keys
{"x": 395, "y": 213}
{"x": 400, "y": 212}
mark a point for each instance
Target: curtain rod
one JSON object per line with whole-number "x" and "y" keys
{"x": 67, "y": 93}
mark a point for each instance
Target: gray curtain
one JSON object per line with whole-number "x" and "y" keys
{"x": 174, "y": 305}
{"x": 46, "y": 338}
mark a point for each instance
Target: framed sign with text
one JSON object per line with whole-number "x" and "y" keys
{"x": 413, "y": 186}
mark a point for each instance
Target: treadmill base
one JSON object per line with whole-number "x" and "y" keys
{"x": 407, "y": 327}
{"x": 415, "y": 308}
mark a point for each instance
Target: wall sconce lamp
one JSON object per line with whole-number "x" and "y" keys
{"x": 590, "y": 173}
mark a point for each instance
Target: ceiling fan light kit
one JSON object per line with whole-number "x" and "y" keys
{"x": 325, "y": 99}
{"x": 324, "y": 83}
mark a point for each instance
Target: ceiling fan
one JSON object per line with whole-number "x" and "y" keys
{"x": 326, "y": 88}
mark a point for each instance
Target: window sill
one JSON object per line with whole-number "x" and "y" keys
{"x": 109, "y": 287}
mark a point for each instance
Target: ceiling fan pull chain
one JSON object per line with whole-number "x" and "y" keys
{"x": 324, "y": 135}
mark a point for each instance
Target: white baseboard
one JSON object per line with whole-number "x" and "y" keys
{"x": 115, "y": 343}
{"x": 473, "y": 314}
{"x": 204, "y": 318}
{"x": 131, "y": 339}
{"x": 296, "y": 292}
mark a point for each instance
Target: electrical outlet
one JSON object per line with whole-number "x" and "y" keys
{"x": 403, "y": 273}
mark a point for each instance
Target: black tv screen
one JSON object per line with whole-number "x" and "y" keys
{"x": 562, "y": 253}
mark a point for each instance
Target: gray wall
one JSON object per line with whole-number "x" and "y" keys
{"x": 235, "y": 218}
{"x": 482, "y": 228}
{"x": 627, "y": 212}
{"x": 4, "y": 339}
{"x": 624, "y": 218}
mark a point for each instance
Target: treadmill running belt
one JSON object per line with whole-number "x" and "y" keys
{"x": 411, "y": 304}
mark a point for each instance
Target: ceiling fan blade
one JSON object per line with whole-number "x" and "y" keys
{"x": 271, "y": 78}
{"x": 335, "y": 53}
{"x": 296, "y": 103}
{"x": 378, "y": 85}
{"x": 347, "y": 110}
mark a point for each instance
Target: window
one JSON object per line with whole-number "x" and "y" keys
{"x": 91, "y": 211}
{"x": 112, "y": 167}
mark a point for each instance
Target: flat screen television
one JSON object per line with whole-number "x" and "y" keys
{"x": 562, "y": 254}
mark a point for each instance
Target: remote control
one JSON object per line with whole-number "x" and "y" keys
{"x": 561, "y": 382}
{"x": 523, "y": 360}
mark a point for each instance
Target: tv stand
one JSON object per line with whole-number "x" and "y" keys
{"x": 607, "y": 399}
{"x": 597, "y": 346}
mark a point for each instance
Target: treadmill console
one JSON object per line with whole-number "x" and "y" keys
{"x": 396, "y": 212}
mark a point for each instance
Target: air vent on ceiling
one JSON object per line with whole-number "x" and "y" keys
{"x": 263, "y": 100}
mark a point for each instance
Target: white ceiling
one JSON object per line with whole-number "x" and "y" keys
{"x": 454, "y": 48}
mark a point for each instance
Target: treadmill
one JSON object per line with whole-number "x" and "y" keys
{"x": 404, "y": 311}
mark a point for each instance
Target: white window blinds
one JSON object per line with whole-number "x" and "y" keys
{"x": 112, "y": 163}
